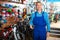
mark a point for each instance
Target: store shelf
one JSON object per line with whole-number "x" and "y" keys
{"x": 6, "y": 1}
{"x": 54, "y": 34}
{"x": 9, "y": 2}
{"x": 55, "y": 31}
{"x": 1, "y": 7}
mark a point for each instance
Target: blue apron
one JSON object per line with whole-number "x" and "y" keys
{"x": 39, "y": 32}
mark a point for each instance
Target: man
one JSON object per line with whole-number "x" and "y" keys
{"x": 40, "y": 20}
{"x": 51, "y": 15}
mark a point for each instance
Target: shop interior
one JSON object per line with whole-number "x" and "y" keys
{"x": 15, "y": 16}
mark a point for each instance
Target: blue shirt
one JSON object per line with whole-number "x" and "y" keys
{"x": 46, "y": 18}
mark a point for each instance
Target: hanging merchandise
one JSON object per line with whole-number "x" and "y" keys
{"x": 16, "y": 0}
{"x": 0, "y": 17}
{"x": 13, "y": 11}
{"x": 22, "y": 1}
{"x": 15, "y": 6}
{"x": 52, "y": 5}
{"x": 7, "y": 14}
{"x": 16, "y": 13}
{"x": 19, "y": 14}
{"x": 3, "y": 5}
{"x": 13, "y": 14}
{"x": 3, "y": 12}
{"x": 10, "y": 6}
{"x": 35, "y": 0}
{"x": 0, "y": 20}
{"x": 4, "y": 19}
{"x": 6, "y": 5}
{"x": 9, "y": 10}
{"x": 24, "y": 13}
{"x": 30, "y": 5}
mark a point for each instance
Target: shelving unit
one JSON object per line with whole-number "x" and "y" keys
{"x": 9, "y": 1}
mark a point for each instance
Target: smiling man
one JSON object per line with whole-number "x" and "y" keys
{"x": 40, "y": 20}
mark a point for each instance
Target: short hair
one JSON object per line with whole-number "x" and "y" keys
{"x": 38, "y": 2}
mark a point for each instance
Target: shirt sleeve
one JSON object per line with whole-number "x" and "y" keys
{"x": 47, "y": 21}
{"x": 31, "y": 20}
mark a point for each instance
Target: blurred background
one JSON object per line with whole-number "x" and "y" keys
{"x": 15, "y": 16}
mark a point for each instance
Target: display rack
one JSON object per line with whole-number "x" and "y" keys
{"x": 9, "y": 1}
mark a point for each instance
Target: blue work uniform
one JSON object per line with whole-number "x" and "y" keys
{"x": 40, "y": 21}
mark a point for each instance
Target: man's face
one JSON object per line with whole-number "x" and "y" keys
{"x": 39, "y": 6}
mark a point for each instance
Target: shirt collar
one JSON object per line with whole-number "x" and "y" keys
{"x": 39, "y": 12}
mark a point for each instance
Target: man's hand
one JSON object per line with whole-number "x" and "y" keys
{"x": 31, "y": 27}
{"x": 48, "y": 34}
